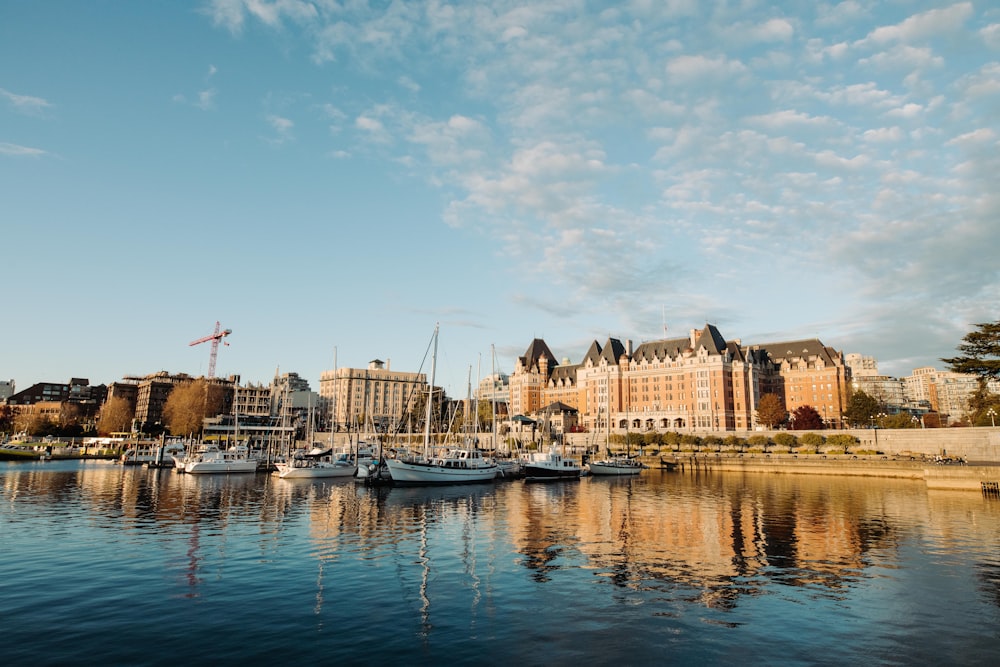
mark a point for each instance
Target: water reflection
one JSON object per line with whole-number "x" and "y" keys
{"x": 733, "y": 551}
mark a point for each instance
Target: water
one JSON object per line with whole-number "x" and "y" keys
{"x": 128, "y": 566}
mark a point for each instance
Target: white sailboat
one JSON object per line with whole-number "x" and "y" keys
{"x": 453, "y": 466}
{"x": 614, "y": 465}
{"x": 318, "y": 462}
{"x": 211, "y": 459}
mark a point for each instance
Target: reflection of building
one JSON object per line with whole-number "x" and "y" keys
{"x": 701, "y": 381}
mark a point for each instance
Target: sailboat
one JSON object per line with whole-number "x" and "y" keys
{"x": 614, "y": 465}
{"x": 318, "y": 462}
{"x": 452, "y": 466}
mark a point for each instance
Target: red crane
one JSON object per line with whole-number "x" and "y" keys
{"x": 215, "y": 338}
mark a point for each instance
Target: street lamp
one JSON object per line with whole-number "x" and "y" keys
{"x": 992, "y": 413}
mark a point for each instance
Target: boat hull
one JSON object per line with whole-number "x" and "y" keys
{"x": 219, "y": 467}
{"x": 537, "y": 473}
{"x": 404, "y": 472}
{"x": 615, "y": 468}
{"x": 316, "y": 472}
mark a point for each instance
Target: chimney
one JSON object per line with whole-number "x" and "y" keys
{"x": 694, "y": 338}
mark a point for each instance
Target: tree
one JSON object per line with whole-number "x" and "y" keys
{"x": 980, "y": 353}
{"x": 771, "y": 410}
{"x": 188, "y": 405}
{"x": 116, "y": 416}
{"x": 6, "y": 418}
{"x": 806, "y": 418}
{"x": 861, "y": 408}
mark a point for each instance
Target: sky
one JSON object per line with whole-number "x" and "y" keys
{"x": 333, "y": 179}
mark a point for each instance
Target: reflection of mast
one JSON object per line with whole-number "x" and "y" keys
{"x": 425, "y": 575}
{"x": 193, "y": 560}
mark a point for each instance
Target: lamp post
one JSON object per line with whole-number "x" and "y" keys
{"x": 992, "y": 413}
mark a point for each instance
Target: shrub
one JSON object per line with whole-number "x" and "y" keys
{"x": 813, "y": 440}
{"x": 841, "y": 441}
{"x": 785, "y": 440}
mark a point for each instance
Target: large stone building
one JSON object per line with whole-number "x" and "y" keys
{"x": 376, "y": 396}
{"x": 698, "y": 382}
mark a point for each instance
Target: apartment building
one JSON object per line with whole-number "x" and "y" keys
{"x": 361, "y": 397}
{"x": 697, "y": 382}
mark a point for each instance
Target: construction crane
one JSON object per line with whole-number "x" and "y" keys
{"x": 215, "y": 338}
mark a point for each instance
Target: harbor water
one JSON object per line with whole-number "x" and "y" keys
{"x": 112, "y": 565}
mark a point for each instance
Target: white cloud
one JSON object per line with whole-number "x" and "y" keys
{"x": 26, "y": 104}
{"x": 690, "y": 69}
{"x": 883, "y": 135}
{"x": 20, "y": 151}
{"x": 282, "y": 128}
{"x": 991, "y": 35}
{"x": 921, "y": 26}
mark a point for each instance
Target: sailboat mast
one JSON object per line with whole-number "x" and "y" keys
{"x": 430, "y": 395}
{"x": 333, "y": 398}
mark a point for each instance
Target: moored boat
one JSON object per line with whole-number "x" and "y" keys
{"x": 317, "y": 463}
{"x": 617, "y": 465}
{"x": 214, "y": 460}
{"x": 155, "y": 454}
{"x": 453, "y": 466}
{"x": 550, "y": 465}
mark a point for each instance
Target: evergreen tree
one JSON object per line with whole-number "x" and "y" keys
{"x": 980, "y": 353}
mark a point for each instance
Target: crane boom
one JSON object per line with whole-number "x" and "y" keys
{"x": 214, "y": 337}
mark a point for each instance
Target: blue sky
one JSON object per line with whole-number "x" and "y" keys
{"x": 324, "y": 176}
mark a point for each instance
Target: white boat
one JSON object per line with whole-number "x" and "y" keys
{"x": 453, "y": 466}
{"x": 550, "y": 465}
{"x": 510, "y": 468}
{"x": 154, "y": 454}
{"x": 614, "y": 465}
{"x": 214, "y": 460}
{"x": 617, "y": 465}
{"x": 317, "y": 463}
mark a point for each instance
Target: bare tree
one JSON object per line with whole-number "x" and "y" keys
{"x": 116, "y": 416}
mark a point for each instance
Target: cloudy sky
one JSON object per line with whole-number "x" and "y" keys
{"x": 329, "y": 179}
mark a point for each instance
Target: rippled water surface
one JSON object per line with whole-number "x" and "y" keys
{"x": 111, "y": 565}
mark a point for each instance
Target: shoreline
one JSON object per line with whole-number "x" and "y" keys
{"x": 981, "y": 476}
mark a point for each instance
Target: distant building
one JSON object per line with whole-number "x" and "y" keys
{"x": 946, "y": 392}
{"x": 698, "y": 382}
{"x": 360, "y": 397}
{"x": 861, "y": 366}
{"x": 72, "y": 403}
{"x": 7, "y": 389}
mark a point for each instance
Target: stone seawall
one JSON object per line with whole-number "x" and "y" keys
{"x": 942, "y": 477}
{"x": 979, "y": 444}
